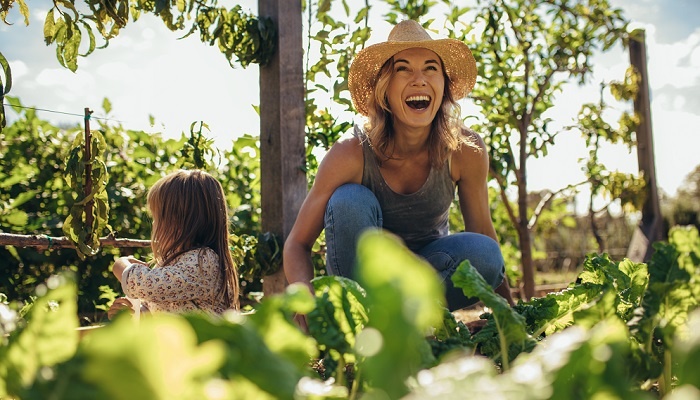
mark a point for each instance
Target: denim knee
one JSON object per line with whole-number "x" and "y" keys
{"x": 445, "y": 255}
{"x": 351, "y": 209}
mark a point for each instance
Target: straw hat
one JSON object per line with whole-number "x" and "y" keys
{"x": 457, "y": 60}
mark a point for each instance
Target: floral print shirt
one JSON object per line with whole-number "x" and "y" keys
{"x": 192, "y": 282}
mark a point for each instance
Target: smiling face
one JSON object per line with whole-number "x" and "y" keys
{"x": 416, "y": 88}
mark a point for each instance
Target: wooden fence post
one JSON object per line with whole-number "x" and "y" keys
{"x": 282, "y": 144}
{"x": 650, "y": 227}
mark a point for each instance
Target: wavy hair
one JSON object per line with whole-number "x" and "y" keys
{"x": 189, "y": 212}
{"x": 445, "y": 132}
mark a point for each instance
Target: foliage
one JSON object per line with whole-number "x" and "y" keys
{"x": 240, "y": 36}
{"x": 586, "y": 344}
{"x": 684, "y": 208}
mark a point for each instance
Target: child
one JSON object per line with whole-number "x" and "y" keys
{"x": 192, "y": 265}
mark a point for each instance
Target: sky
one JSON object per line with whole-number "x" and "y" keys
{"x": 147, "y": 70}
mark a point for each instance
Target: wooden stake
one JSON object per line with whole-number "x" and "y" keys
{"x": 282, "y": 147}
{"x": 650, "y": 227}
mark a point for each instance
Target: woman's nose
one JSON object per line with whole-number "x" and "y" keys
{"x": 418, "y": 78}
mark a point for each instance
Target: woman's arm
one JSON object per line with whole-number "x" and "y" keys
{"x": 470, "y": 166}
{"x": 343, "y": 164}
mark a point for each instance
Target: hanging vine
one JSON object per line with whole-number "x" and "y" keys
{"x": 86, "y": 174}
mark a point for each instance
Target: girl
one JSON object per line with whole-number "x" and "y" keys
{"x": 400, "y": 170}
{"x": 192, "y": 264}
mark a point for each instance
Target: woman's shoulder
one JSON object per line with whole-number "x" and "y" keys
{"x": 347, "y": 148}
{"x": 471, "y": 140}
{"x": 471, "y": 156}
{"x": 344, "y": 163}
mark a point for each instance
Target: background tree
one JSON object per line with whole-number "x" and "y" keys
{"x": 684, "y": 208}
{"x": 527, "y": 51}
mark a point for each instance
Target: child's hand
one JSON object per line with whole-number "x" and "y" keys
{"x": 119, "y": 305}
{"x": 132, "y": 260}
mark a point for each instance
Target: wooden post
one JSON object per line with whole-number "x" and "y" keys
{"x": 282, "y": 145}
{"x": 650, "y": 227}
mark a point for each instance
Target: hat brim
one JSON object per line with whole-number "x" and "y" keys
{"x": 457, "y": 60}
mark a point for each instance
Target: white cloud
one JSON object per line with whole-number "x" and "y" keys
{"x": 675, "y": 147}
{"x": 674, "y": 64}
{"x": 18, "y": 68}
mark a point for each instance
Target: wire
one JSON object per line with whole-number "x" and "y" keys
{"x": 62, "y": 112}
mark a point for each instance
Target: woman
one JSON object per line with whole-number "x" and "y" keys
{"x": 400, "y": 170}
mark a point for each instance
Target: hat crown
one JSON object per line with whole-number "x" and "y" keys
{"x": 408, "y": 31}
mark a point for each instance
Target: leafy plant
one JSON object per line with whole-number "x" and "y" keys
{"x": 383, "y": 322}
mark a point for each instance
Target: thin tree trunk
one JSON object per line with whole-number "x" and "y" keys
{"x": 523, "y": 220}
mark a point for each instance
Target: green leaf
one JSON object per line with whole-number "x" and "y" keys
{"x": 7, "y": 72}
{"x": 339, "y": 315}
{"x": 405, "y": 298}
{"x": 24, "y": 10}
{"x": 159, "y": 358}
{"x": 509, "y": 326}
{"x": 247, "y": 355}
{"x": 16, "y": 218}
{"x": 272, "y": 319}
{"x": 23, "y": 198}
{"x": 687, "y": 352}
{"x": 50, "y": 336}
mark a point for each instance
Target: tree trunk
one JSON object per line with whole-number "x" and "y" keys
{"x": 523, "y": 220}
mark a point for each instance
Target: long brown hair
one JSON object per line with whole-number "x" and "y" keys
{"x": 445, "y": 132}
{"x": 189, "y": 212}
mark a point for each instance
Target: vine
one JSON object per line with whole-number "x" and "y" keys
{"x": 86, "y": 175}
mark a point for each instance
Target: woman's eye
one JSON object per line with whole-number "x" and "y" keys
{"x": 401, "y": 68}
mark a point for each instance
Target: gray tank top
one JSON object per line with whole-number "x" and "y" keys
{"x": 418, "y": 218}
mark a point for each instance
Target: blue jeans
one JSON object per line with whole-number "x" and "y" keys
{"x": 353, "y": 208}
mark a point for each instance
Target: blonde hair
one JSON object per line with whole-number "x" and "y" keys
{"x": 445, "y": 132}
{"x": 189, "y": 212}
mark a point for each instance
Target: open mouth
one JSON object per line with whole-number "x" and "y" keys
{"x": 418, "y": 102}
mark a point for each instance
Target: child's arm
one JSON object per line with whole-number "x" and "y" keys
{"x": 122, "y": 264}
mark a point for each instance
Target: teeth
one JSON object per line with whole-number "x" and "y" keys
{"x": 418, "y": 98}
{"x": 418, "y": 102}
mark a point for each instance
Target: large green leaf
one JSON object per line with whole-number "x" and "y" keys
{"x": 505, "y": 325}
{"x": 405, "y": 298}
{"x": 49, "y": 337}
{"x": 339, "y": 315}
{"x": 248, "y": 358}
